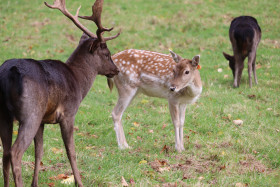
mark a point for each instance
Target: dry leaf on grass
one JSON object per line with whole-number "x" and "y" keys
{"x": 143, "y": 162}
{"x": 165, "y": 149}
{"x": 59, "y": 177}
{"x": 136, "y": 124}
{"x": 239, "y": 184}
{"x": 69, "y": 180}
{"x": 51, "y": 184}
{"x": 56, "y": 150}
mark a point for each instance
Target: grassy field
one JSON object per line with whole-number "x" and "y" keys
{"x": 218, "y": 152}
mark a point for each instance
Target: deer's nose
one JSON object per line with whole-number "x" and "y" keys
{"x": 172, "y": 88}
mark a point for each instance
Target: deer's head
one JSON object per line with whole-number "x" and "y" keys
{"x": 231, "y": 61}
{"x": 184, "y": 72}
{"x": 93, "y": 46}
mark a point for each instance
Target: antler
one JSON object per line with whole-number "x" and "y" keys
{"x": 96, "y": 17}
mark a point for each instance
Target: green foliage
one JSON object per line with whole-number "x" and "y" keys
{"x": 217, "y": 152}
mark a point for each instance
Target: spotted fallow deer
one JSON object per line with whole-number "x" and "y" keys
{"x": 157, "y": 75}
{"x": 35, "y": 92}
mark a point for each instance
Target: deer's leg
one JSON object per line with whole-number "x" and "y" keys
{"x": 26, "y": 133}
{"x": 175, "y": 116}
{"x": 254, "y": 66}
{"x": 67, "y": 129}
{"x": 38, "y": 142}
{"x": 125, "y": 97}
{"x": 6, "y": 126}
{"x": 182, "y": 108}
{"x": 239, "y": 66}
{"x": 251, "y": 61}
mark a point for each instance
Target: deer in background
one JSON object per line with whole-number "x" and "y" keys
{"x": 35, "y": 92}
{"x": 245, "y": 35}
{"x": 157, "y": 75}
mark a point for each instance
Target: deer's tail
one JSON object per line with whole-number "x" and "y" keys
{"x": 110, "y": 83}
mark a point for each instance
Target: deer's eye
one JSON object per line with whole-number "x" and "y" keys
{"x": 187, "y": 72}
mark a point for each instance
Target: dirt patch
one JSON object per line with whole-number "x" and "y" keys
{"x": 190, "y": 165}
{"x": 224, "y": 145}
{"x": 54, "y": 167}
{"x": 201, "y": 165}
{"x": 251, "y": 164}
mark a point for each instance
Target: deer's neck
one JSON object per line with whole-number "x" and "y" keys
{"x": 84, "y": 71}
{"x": 195, "y": 88}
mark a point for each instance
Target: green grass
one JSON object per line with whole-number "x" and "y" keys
{"x": 217, "y": 151}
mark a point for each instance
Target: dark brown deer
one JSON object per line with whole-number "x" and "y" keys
{"x": 35, "y": 92}
{"x": 245, "y": 35}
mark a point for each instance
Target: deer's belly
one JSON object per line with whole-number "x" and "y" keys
{"x": 154, "y": 91}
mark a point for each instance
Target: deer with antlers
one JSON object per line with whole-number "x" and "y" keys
{"x": 157, "y": 75}
{"x": 35, "y": 92}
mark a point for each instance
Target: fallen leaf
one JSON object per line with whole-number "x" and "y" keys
{"x": 187, "y": 176}
{"x": 222, "y": 167}
{"x": 151, "y": 131}
{"x": 143, "y": 162}
{"x": 269, "y": 109}
{"x": 163, "y": 169}
{"x": 170, "y": 184}
{"x": 226, "y": 76}
{"x": 252, "y": 96}
{"x": 90, "y": 147}
{"x": 220, "y": 70}
{"x": 69, "y": 180}
{"x": 163, "y": 126}
{"x": 165, "y": 149}
{"x": 56, "y": 150}
{"x": 238, "y": 122}
{"x": 136, "y": 124}
{"x": 123, "y": 181}
{"x": 239, "y": 184}
{"x": 144, "y": 101}
{"x": 139, "y": 138}
{"x": 51, "y": 184}
{"x": 59, "y": 177}
{"x": 200, "y": 178}
{"x": 15, "y": 132}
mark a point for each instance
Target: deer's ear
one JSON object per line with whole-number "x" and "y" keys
{"x": 83, "y": 38}
{"x": 195, "y": 60}
{"x": 175, "y": 57}
{"x": 93, "y": 46}
{"x": 227, "y": 56}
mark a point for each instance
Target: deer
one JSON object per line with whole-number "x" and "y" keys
{"x": 245, "y": 35}
{"x": 156, "y": 75}
{"x": 36, "y": 92}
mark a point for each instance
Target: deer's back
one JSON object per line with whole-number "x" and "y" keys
{"x": 244, "y": 33}
{"x": 149, "y": 71}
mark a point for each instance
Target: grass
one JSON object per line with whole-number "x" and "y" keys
{"x": 217, "y": 151}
